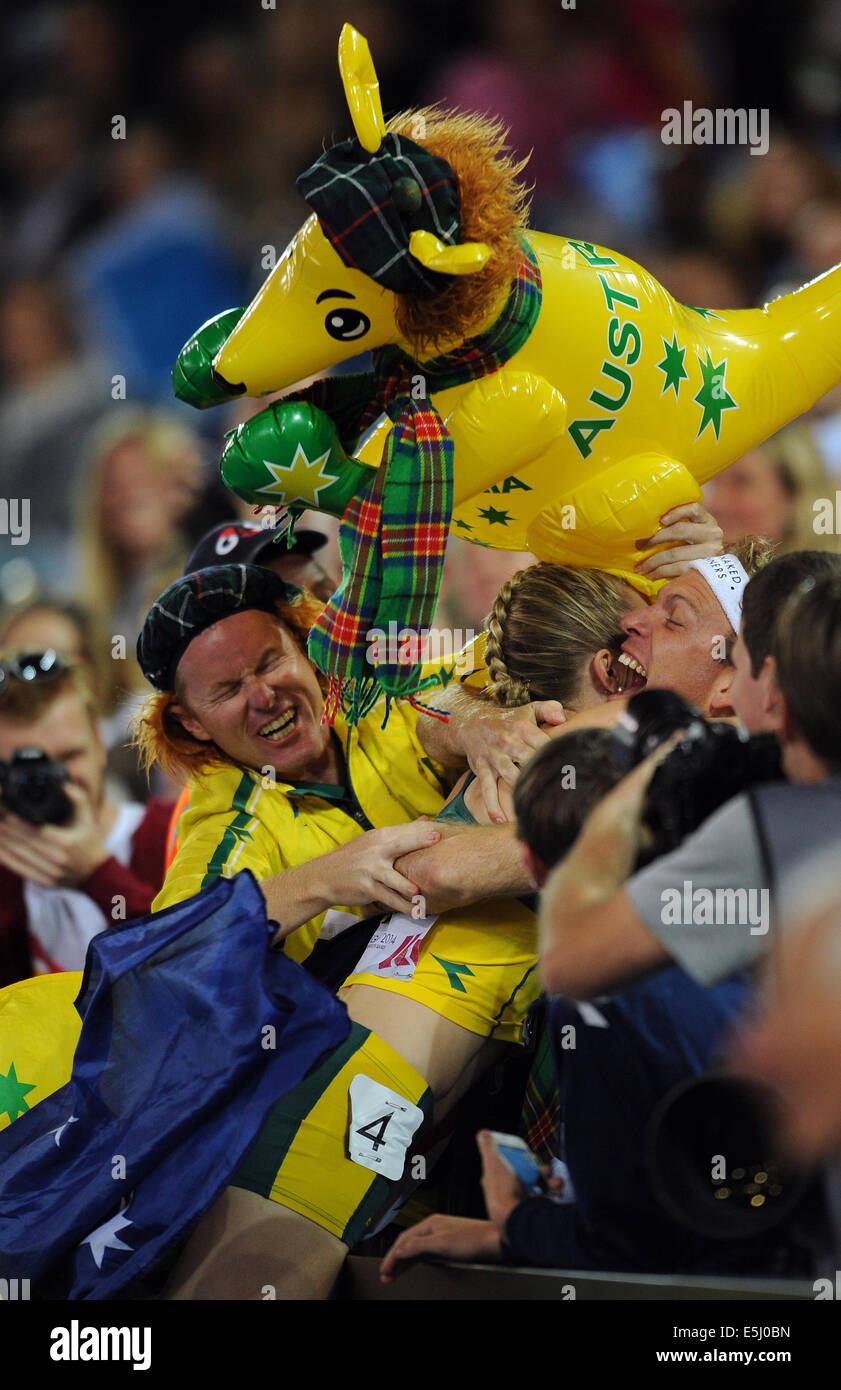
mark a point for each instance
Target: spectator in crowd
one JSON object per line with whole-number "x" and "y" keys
{"x": 755, "y": 205}
{"x": 772, "y": 490}
{"x": 684, "y": 640}
{"x": 53, "y": 389}
{"x": 67, "y": 629}
{"x": 144, "y": 480}
{"x": 162, "y": 244}
{"x": 254, "y": 543}
{"x": 237, "y": 701}
{"x": 604, "y": 925}
{"x": 60, "y": 884}
{"x": 144, "y": 483}
{"x": 145, "y": 477}
{"x": 49, "y": 163}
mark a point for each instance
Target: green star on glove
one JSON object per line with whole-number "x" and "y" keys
{"x": 291, "y": 454}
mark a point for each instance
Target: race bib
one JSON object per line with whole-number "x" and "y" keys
{"x": 334, "y": 922}
{"x": 382, "y": 1126}
{"x": 392, "y": 952}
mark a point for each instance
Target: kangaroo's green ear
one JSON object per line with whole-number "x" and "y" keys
{"x": 463, "y": 259}
{"x": 362, "y": 90}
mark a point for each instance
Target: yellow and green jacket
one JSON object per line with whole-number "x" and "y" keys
{"x": 237, "y": 819}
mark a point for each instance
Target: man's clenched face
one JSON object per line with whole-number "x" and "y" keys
{"x": 676, "y": 643}
{"x": 245, "y": 685}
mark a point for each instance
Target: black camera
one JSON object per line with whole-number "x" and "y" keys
{"x": 712, "y": 763}
{"x": 717, "y": 1114}
{"x": 721, "y": 1116}
{"x": 32, "y": 787}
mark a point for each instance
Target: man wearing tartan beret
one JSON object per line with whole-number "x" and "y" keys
{"x": 324, "y": 817}
{"x": 195, "y": 602}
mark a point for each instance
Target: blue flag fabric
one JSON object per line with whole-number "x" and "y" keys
{"x": 191, "y": 1030}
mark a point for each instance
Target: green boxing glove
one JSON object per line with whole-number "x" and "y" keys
{"x": 290, "y": 455}
{"x": 192, "y": 376}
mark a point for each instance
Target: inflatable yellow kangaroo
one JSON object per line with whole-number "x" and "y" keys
{"x": 603, "y": 404}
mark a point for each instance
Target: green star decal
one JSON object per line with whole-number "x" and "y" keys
{"x": 672, "y": 366}
{"x": 493, "y": 517}
{"x": 464, "y": 526}
{"x": 453, "y": 970}
{"x": 444, "y": 675}
{"x": 713, "y": 396}
{"x": 299, "y": 481}
{"x": 705, "y": 313}
{"x": 12, "y": 1094}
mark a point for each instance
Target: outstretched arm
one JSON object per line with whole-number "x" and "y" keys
{"x": 357, "y": 874}
{"x": 469, "y": 864}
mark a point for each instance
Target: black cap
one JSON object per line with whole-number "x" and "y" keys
{"x": 197, "y": 601}
{"x": 244, "y": 542}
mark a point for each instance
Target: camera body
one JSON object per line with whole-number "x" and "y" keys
{"x": 712, "y": 764}
{"x": 32, "y": 787}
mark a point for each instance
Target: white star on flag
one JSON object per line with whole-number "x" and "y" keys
{"x": 61, "y": 1128}
{"x": 309, "y": 476}
{"x": 105, "y": 1237}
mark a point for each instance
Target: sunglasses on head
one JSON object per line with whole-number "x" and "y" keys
{"x": 29, "y": 667}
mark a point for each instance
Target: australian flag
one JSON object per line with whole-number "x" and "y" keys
{"x": 191, "y": 1029}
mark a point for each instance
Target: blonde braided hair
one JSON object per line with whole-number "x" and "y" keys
{"x": 507, "y": 690}
{"x": 547, "y": 621}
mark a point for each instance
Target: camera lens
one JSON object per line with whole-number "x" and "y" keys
{"x": 36, "y": 787}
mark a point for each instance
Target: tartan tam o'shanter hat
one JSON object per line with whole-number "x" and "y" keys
{"x": 368, "y": 205}
{"x": 195, "y": 602}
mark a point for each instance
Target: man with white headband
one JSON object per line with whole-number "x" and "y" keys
{"x": 683, "y": 641}
{"x": 709, "y": 905}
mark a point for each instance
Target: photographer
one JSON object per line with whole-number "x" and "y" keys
{"x": 612, "y": 1065}
{"x": 795, "y": 1043}
{"x": 71, "y": 861}
{"x": 753, "y": 692}
{"x": 604, "y": 926}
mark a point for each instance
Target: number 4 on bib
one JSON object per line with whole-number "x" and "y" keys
{"x": 382, "y": 1126}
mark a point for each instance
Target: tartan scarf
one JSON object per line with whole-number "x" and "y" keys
{"x": 540, "y": 1118}
{"x": 393, "y": 535}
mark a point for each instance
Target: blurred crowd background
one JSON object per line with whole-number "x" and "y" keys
{"x": 113, "y": 250}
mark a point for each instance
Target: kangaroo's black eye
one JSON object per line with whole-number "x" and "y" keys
{"x": 347, "y": 324}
